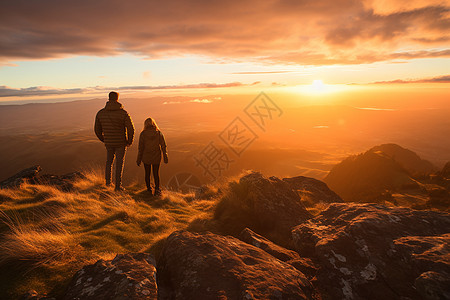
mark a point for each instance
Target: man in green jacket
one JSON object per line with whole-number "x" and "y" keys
{"x": 114, "y": 127}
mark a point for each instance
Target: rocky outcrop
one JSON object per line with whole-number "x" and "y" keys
{"x": 304, "y": 265}
{"x": 266, "y": 205}
{"x": 127, "y": 276}
{"x": 428, "y": 256}
{"x": 209, "y": 266}
{"x": 17, "y": 179}
{"x": 312, "y": 191}
{"x": 264, "y": 244}
{"x": 32, "y": 175}
{"x": 368, "y": 251}
{"x": 433, "y": 286}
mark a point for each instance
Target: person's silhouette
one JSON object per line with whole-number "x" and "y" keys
{"x": 114, "y": 127}
{"x": 151, "y": 144}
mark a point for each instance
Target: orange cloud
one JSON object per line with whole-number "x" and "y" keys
{"x": 439, "y": 79}
{"x": 45, "y": 91}
{"x": 287, "y": 31}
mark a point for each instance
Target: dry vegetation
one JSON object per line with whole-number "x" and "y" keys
{"x": 48, "y": 234}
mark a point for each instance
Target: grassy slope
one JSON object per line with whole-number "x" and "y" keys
{"x": 47, "y": 234}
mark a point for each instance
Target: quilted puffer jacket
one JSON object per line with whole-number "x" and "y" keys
{"x": 113, "y": 125}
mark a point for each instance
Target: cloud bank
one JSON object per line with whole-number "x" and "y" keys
{"x": 302, "y": 32}
{"x": 439, "y": 79}
{"x": 46, "y": 91}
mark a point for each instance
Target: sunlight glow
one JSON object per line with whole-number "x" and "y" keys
{"x": 318, "y": 85}
{"x": 318, "y": 88}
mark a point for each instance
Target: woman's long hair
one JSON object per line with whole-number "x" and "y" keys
{"x": 150, "y": 124}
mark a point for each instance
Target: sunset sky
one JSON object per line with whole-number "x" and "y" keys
{"x": 53, "y": 49}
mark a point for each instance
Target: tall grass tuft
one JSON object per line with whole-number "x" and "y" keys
{"x": 27, "y": 243}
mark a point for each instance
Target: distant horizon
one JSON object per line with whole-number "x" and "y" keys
{"x": 190, "y": 47}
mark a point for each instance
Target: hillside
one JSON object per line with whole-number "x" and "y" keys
{"x": 390, "y": 173}
{"x": 69, "y": 237}
{"x": 406, "y": 158}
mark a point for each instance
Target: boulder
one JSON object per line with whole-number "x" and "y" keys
{"x": 312, "y": 191}
{"x": 127, "y": 276}
{"x": 361, "y": 253}
{"x": 304, "y": 265}
{"x": 264, "y": 244}
{"x": 266, "y": 205}
{"x": 210, "y": 266}
{"x": 429, "y": 257}
{"x": 433, "y": 286}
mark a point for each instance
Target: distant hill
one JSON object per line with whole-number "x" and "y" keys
{"x": 366, "y": 173}
{"x": 406, "y": 158}
{"x": 385, "y": 167}
{"x": 392, "y": 175}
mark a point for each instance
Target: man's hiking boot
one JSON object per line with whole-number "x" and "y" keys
{"x": 119, "y": 189}
{"x": 157, "y": 192}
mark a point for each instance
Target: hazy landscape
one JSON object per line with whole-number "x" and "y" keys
{"x": 307, "y": 141}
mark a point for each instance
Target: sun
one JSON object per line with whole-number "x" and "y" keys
{"x": 318, "y": 86}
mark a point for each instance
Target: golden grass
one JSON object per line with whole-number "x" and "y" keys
{"x": 49, "y": 234}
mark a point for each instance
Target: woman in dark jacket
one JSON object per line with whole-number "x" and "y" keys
{"x": 151, "y": 144}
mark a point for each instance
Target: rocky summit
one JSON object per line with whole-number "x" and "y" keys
{"x": 267, "y": 205}
{"x": 312, "y": 191}
{"x": 210, "y": 266}
{"x": 368, "y": 251}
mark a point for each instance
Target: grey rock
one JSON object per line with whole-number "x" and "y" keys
{"x": 304, "y": 265}
{"x": 368, "y": 251}
{"x": 312, "y": 191}
{"x": 210, "y": 266}
{"x": 266, "y": 205}
{"x": 433, "y": 286}
{"x": 127, "y": 276}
